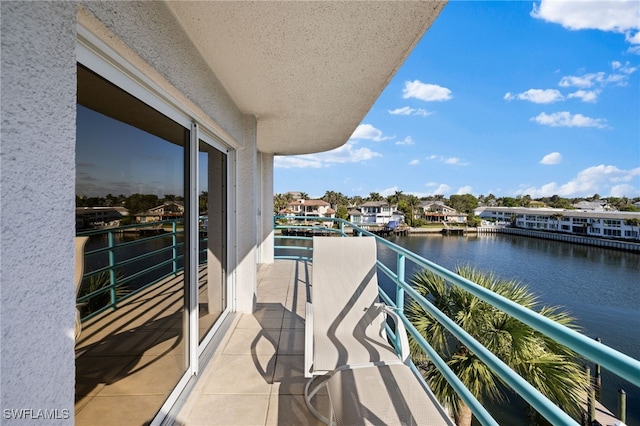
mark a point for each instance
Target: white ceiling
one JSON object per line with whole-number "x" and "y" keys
{"x": 308, "y": 70}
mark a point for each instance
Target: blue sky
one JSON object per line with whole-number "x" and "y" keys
{"x": 503, "y": 97}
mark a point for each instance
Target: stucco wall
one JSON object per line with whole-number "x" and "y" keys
{"x": 37, "y": 181}
{"x": 37, "y": 197}
{"x": 150, "y": 30}
{"x": 265, "y": 239}
{"x": 246, "y": 228}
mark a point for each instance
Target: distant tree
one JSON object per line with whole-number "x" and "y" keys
{"x": 140, "y": 203}
{"x": 356, "y": 200}
{"x": 375, "y": 196}
{"x": 525, "y": 200}
{"x": 466, "y": 203}
{"x": 169, "y": 197}
{"x": 508, "y": 202}
{"x": 336, "y": 199}
{"x": 412, "y": 202}
{"x": 342, "y": 212}
{"x": 395, "y": 198}
{"x": 280, "y": 202}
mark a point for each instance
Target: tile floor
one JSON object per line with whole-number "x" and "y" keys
{"x": 256, "y": 376}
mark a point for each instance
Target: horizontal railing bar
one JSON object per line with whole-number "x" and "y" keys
{"x": 132, "y": 243}
{"x": 123, "y": 227}
{"x": 293, "y": 248}
{"x": 147, "y": 255}
{"x": 292, "y": 237}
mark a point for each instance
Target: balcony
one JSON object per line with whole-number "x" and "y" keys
{"x": 254, "y": 374}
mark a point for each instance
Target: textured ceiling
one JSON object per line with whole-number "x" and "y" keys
{"x": 309, "y": 71}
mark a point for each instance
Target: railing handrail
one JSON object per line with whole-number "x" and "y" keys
{"x": 615, "y": 361}
{"x": 113, "y": 266}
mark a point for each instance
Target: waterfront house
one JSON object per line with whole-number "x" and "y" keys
{"x": 169, "y": 210}
{"x": 377, "y": 213}
{"x": 309, "y": 208}
{"x": 90, "y": 217}
{"x": 605, "y": 224}
{"x": 226, "y": 86}
{"x": 438, "y": 211}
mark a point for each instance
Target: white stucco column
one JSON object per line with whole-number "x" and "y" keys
{"x": 248, "y": 181}
{"x": 37, "y": 220}
{"x": 265, "y": 232}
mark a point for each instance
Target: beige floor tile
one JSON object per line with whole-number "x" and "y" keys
{"x": 287, "y": 410}
{"x": 234, "y": 374}
{"x": 141, "y": 379}
{"x": 292, "y": 320}
{"x": 289, "y": 374}
{"x": 229, "y": 410}
{"x": 261, "y": 321}
{"x": 291, "y": 342}
{"x": 247, "y": 341}
{"x": 122, "y": 410}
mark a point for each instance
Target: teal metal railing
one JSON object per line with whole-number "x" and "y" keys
{"x": 127, "y": 260}
{"x": 296, "y": 229}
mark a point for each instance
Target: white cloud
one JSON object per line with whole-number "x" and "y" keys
{"x": 566, "y": 119}
{"x": 602, "y": 79}
{"x": 425, "y": 92}
{"x": 347, "y": 153}
{"x": 414, "y": 162}
{"x": 406, "y": 141}
{"x": 585, "y": 95}
{"x": 620, "y": 16}
{"x": 537, "y": 96}
{"x": 293, "y": 162}
{"x": 389, "y": 191}
{"x": 409, "y": 111}
{"x": 367, "y": 131}
{"x": 552, "y": 158}
{"x": 440, "y": 188}
{"x": 467, "y": 189}
{"x": 625, "y": 68}
{"x": 583, "y": 81}
{"x": 604, "y": 180}
{"x": 448, "y": 160}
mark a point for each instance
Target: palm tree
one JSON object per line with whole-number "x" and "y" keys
{"x": 550, "y": 367}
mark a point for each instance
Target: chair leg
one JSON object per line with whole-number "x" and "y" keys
{"x": 310, "y": 394}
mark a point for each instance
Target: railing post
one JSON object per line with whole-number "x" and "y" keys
{"x": 598, "y": 374}
{"x": 587, "y": 412}
{"x": 174, "y": 240}
{"x": 400, "y": 271}
{"x": 592, "y": 405}
{"x": 622, "y": 405}
{"x": 112, "y": 273}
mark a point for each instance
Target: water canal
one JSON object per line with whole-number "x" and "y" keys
{"x": 600, "y": 287}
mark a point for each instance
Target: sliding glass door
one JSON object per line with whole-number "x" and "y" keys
{"x": 155, "y": 263}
